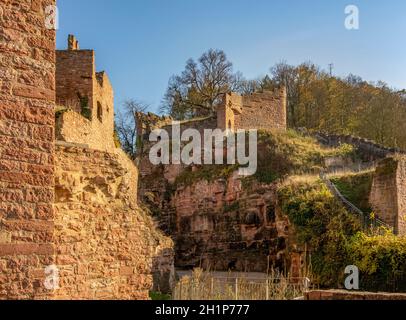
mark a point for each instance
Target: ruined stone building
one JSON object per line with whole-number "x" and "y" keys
{"x": 259, "y": 110}
{"x": 219, "y": 225}
{"x": 388, "y": 194}
{"x": 388, "y": 191}
{"x": 68, "y": 193}
{"x": 88, "y": 96}
{"x": 67, "y": 205}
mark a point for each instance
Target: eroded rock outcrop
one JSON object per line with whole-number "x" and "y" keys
{"x": 106, "y": 246}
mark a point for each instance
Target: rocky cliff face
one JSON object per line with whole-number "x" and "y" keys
{"x": 221, "y": 224}
{"x": 106, "y": 246}
{"x": 219, "y": 221}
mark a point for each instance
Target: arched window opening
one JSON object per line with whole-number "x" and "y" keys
{"x": 99, "y": 112}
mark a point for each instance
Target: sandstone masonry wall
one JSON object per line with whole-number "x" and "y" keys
{"x": 401, "y": 185}
{"x": 78, "y": 86}
{"x": 263, "y": 111}
{"x": 106, "y": 247}
{"x": 27, "y": 96}
{"x": 75, "y": 71}
{"x": 388, "y": 193}
{"x": 369, "y": 150}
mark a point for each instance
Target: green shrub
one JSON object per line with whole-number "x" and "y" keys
{"x": 381, "y": 260}
{"x": 335, "y": 239}
{"x": 159, "y": 296}
{"x": 356, "y": 188}
{"x": 324, "y": 225}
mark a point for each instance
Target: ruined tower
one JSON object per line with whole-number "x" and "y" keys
{"x": 259, "y": 110}
{"x": 87, "y": 94}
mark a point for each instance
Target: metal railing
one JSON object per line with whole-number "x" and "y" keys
{"x": 365, "y": 218}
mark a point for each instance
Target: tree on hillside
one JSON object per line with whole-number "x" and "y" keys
{"x": 319, "y": 101}
{"x": 126, "y": 125}
{"x": 200, "y": 87}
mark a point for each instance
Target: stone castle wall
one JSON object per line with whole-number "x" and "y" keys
{"x": 369, "y": 150}
{"x": 97, "y": 215}
{"x": 388, "y": 193}
{"x": 106, "y": 247}
{"x": 27, "y": 96}
{"x": 75, "y": 70}
{"x": 73, "y": 127}
{"x": 79, "y": 86}
{"x": 401, "y": 183}
{"x": 232, "y": 104}
{"x": 260, "y": 110}
{"x": 103, "y": 244}
{"x": 263, "y": 111}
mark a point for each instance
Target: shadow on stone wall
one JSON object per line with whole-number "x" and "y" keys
{"x": 163, "y": 271}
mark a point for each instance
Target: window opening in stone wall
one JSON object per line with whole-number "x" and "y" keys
{"x": 99, "y": 112}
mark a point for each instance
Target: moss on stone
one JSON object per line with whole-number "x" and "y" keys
{"x": 387, "y": 166}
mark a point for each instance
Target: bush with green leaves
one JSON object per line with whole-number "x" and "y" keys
{"x": 323, "y": 224}
{"x": 336, "y": 240}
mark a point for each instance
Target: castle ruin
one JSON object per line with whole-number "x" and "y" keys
{"x": 68, "y": 193}
{"x": 68, "y": 206}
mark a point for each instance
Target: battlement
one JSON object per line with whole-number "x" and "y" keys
{"x": 81, "y": 89}
{"x": 261, "y": 110}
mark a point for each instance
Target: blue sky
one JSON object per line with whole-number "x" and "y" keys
{"x": 141, "y": 43}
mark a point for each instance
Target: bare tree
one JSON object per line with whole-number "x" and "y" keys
{"x": 200, "y": 87}
{"x": 126, "y": 125}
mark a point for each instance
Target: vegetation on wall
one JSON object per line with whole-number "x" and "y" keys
{"x": 356, "y": 188}
{"x": 323, "y": 224}
{"x": 335, "y": 239}
{"x": 286, "y": 153}
{"x": 279, "y": 154}
{"x": 85, "y": 108}
{"x": 381, "y": 260}
{"x": 208, "y": 173}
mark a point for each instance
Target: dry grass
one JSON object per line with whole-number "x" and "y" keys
{"x": 348, "y": 173}
{"x": 301, "y": 179}
{"x": 204, "y": 286}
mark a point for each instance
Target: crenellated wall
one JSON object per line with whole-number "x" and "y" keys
{"x": 367, "y": 149}
{"x": 84, "y": 91}
{"x": 263, "y": 111}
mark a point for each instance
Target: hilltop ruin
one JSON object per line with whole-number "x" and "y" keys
{"x": 70, "y": 201}
{"x": 70, "y": 196}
